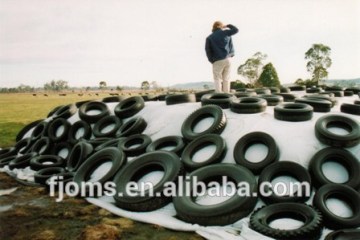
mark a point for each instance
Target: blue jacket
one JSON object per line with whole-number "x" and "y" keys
{"x": 219, "y": 45}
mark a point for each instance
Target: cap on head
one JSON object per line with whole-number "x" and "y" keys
{"x": 217, "y": 25}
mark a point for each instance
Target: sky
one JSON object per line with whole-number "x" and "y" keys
{"x": 125, "y": 42}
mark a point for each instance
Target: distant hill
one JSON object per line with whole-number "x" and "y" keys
{"x": 193, "y": 85}
{"x": 343, "y": 82}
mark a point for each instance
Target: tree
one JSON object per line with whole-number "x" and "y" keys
{"x": 269, "y": 77}
{"x": 206, "y": 87}
{"x": 250, "y": 70}
{"x": 319, "y": 61}
{"x": 154, "y": 85}
{"x": 237, "y": 84}
{"x": 145, "y": 85}
{"x": 102, "y": 85}
{"x": 58, "y": 85}
{"x": 118, "y": 88}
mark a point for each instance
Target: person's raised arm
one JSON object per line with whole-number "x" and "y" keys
{"x": 231, "y": 30}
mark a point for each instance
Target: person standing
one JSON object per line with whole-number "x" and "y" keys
{"x": 219, "y": 49}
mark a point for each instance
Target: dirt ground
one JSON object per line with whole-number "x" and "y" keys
{"x": 29, "y": 213}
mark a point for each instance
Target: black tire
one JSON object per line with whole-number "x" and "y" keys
{"x": 272, "y": 100}
{"x": 249, "y": 139}
{"x": 7, "y": 152}
{"x": 42, "y": 146}
{"x": 202, "y": 142}
{"x": 274, "y": 90}
{"x": 248, "y": 105}
{"x": 288, "y": 97}
{"x": 80, "y": 103}
{"x": 334, "y": 88}
{"x": 341, "y": 192}
{"x": 187, "y": 128}
{"x": 24, "y": 145}
{"x": 60, "y": 147}
{"x": 175, "y": 142}
{"x": 6, "y": 160}
{"x": 65, "y": 111}
{"x": 51, "y": 113}
{"x": 44, "y": 174}
{"x": 336, "y": 140}
{"x": 297, "y": 88}
{"x": 141, "y": 140}
{"x": 245, "y": 94}
{"x": 148, "y": 98}
{"x": 112, "y": 99}
{"x": 336, "y": 93}
{"x": 26, "y": 129}
{"x": 114, "y": 142}
{"x": 344, "y": 234}
{"x": 94, "y": 105}
{"x": 63, "y": 178}
{"x": 261, "y": 91}
{"x": 133, "y": 126}
{"x": 350, "y": 108}
{"x": 355, "y": 90}
{"x": 348, "y": 93}
{"x": 220, "y": 99}
{"x": 79, "y": 153}
{"x": 73, "y": 137}
{"x": 327, "y": 94}
{"x": 46, "y": 161}
{"x": 313, "y": 90}
{"x": 160, "y": 160}
{"x": 105, "y": 122}
{"x": 22, "y": 161}
{"x": 129, "y": 107}
{"x": 311, "y": 230}
{"x": 95, "y": 142}
{"x": 322, "y": 97}
{"x": 338, "y": 155}
{"x": 112, "y": 154}
{"x": 285, "y": 168}
{"x": 357, "y": 102}
{"x": 223, "y": 213}
{"x": 319, "y": 105}
{"x": 198, "y": 95}
{"x": 285, "y": 90}
{"x": 180, "y": 98}
{"x": 40, "y": 130}
{"x": 293, "y": 112}
{"x": 53, "y": 127}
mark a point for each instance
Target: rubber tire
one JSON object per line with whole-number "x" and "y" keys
{"x": 60, "y": 146}
{"x": 51, "y": 113}
{"x": 79, "y": 153}
{"x": 133, "y": 126}
{"x": 75, "y": 128}
{"x": 114, "y": 142}
{"x": 293, "y": 112}
{"x": 103, "y": 123}
{"x": 117, "y": 158}
{"x": 327, "y": 137}
{"x": 339, "y": 155}
{"x": 7, "y": 152}
{"x": 297, "y": 88}
{"x": 95, "y": 142}
{"x": 65, "y": 111}
{"x": 22, "y": 161}
{"x": 342, "y": 192}
{"x": 37, "y": 163}
{"x": 200, "y": 143}
{"x": 350, "y": 108}
{"x": 177, "y": 142}
{"x": 220, "y": 99}
{"x": 248, "y": 105}
{"x": 220, "y": 214}
{"x": 284, "y": 168}
{"x": 245, "y": 94}
{"x": 44, "y": 174}
{"x": 260, "y": 91}
{"x": 313, "y": 90}
{"x": 167, "y": 161}
{"x": 334, "y": 88}
{"x": 348, "y": 93}
{"x": 39, "y": 145}
{"x": 322, "y": 97}
{"x": 54, "y": 125}
{"x": 112, "y": 99}
{"x": 63, "y": 178}
{"x": 243, "y": 144}
{"x": 357, "y": 102}
{"x": 26, "y": 129}
{"x": 198, "y": 95}
{"x": 285, "y": 90}
{"x": 319, "y": 105}
{"x": 355, "y": 90}
{"x": 179, "y": 98}
{"x": 40, "y": 130}
{"x": 311, "y": 230}
{"x": 337, "y": 93}
{"x": 288, "y": 97}
{"x": 274, "y": 90}
{"x": 272, "y": 100}
{"x": 23, "y": 146}
{"x": 6, "y": 160}
{"x": 129, "y": 107}
{"x": 194, "y": 118}
{"x": 94, "y": 105}
{"x": 344, "y": 234}
{"x": 80, "y": 103}
{"x": 126, "y": 145}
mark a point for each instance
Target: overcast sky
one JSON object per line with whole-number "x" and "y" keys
{"x": 125, "y": 42}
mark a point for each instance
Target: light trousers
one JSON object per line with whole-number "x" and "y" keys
{"x": 221, "y": 72}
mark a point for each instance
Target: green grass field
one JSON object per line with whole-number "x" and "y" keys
{"x": 19, "y": 109}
